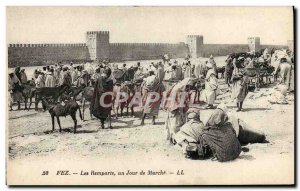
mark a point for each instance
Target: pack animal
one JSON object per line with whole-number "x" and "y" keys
{"x": 58, "y": 110}
{"x": 28, "y": 92}
{"x": 49, "y": 93}
{"x": 198, "y": 86}
{"x": 129, "y": 90}
{"x": 220, "y": 70}
{"x": 72, "y": 92}
{"x": 87, "y": 96}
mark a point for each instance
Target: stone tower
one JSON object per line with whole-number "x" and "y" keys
{"x": 253, "y": 43}
{"x": 98, "y": 44}
{"x": 195, "y": 45}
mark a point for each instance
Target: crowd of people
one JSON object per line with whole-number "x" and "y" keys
{"x": 158, "y": 82}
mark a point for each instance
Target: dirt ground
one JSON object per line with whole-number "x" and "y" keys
{"x": 33, "y": 148}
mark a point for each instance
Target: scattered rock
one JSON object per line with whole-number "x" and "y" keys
{"x": 245, "y": 149}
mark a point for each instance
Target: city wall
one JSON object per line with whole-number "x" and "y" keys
{"x": 276, "y": 47}
{"x": 43, "y": 54}
{"x": 222, "y": 49}
{"x": 146, "y": 51}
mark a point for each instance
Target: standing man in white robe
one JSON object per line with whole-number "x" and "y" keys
{"x": 160, "y": 73}
{"x": 200, "y": 70}
{"x": 211, "y": 86}
{"x": 14, "y": 90}
{"x": 213, "y": 63}
{"x": 39, "y": 82}
{"x": 50, "y": 80}
{"x": 285, "y": 71}
{"x": 188, "y": 70}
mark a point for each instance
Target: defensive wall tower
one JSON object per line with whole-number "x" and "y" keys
{"x": 254, "y": 43}
{"x": 98, "y": 44}
{"x": 195, "y": 45}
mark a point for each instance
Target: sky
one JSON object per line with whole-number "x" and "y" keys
{"x": 218, "y": 25}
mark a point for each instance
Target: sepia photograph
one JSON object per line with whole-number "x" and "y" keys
{"x": 150, "y": 95}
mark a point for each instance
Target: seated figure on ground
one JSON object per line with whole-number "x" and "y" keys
{"x": 221, "y": 137}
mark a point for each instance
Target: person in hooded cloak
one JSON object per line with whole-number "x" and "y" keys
{"x": 285, "y": 72}
{"x": 213, "y": 63}
{"x": 176, "y": 104}
{"x": 239, "y": 87}
{"x": 225, "y": 133}
{"x": 228, "y": 70}
{"x": 23, "y": 76}
{"x": 18, "y": 73}
{"x": 243, "y": 131}
{"x": 211, "y": 86}
{"x": 191, "y": 131}
{"x": 15, "y": 90}
{"x": 188, "y": 70}
{"x": 101, "y": 104}
{"x": 39, "y": 82}
{"x": 151, "y": 88}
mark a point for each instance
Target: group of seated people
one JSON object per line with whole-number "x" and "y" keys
{"x": 220, "y": 137}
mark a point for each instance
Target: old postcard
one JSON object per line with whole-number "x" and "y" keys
{"x": 150, "y": 96}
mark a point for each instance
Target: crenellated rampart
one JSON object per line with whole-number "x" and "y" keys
{"x": 38, "y": 54}
{"x": 97, "y": 46}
